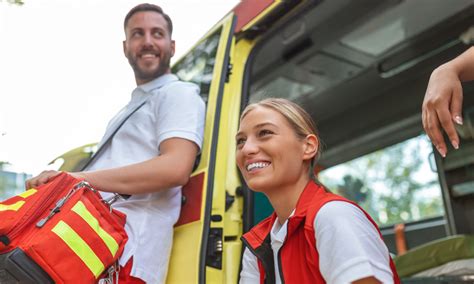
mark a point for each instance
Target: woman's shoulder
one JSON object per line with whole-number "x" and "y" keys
{"x": 339, "y": 207}
{"x": 340, "y": 213}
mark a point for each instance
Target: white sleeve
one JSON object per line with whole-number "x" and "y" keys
{"x": 250, "y": 273}
{"x": 180, "y": 113}
{"x": 349, "y": 246}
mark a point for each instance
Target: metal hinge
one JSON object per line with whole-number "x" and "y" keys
{"x": 228, "y": 71}
{"x": 215, "y": 246}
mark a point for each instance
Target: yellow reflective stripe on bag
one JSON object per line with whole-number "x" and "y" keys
{"x": 79, "y": 247}
{"x": 13, "y": 207}
{"x": 17, "y": 205}
{"x": 109, "y": 241}
{"x": 28, "y": 193}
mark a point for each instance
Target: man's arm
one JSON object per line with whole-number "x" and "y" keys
{"x": 171, "y": 168}
{"x": 442, "y": 105}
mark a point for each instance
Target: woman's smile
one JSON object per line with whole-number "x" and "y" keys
{"x": 254, "y": 166}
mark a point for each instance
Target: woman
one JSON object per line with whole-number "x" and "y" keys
{"x": 313, "y": 236}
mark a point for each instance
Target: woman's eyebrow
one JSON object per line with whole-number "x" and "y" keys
{"x": 260, "y": 125}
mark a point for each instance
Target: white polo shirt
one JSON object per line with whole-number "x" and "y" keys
{"x": 174, "y": 110}
{"x": 348, "y": 245}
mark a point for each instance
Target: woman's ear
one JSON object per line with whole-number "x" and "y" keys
{"x": 311, "y": 146}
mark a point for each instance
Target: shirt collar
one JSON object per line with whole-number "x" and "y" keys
{"x": 158, "y": 82}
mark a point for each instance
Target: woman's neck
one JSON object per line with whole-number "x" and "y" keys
{"x": 285, "y": 198}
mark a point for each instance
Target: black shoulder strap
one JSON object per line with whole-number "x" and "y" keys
{"x": 111, "y": 135}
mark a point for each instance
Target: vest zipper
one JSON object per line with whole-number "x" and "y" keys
{"x": 280, "y": 269}
{"x": 264, "y": 263}
{"x": 251, "y": 249}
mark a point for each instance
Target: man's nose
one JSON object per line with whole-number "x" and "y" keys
{"x": 147, "y": 39}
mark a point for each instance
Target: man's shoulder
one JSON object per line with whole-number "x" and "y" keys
{"x": 180, "y": 91}
{"x": 181, "y": 84}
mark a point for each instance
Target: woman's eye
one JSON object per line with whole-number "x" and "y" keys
{"x": 264, "y": 132}
{"x": 239, "y": 142}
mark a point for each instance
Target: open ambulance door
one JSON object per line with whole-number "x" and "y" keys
{"x": 197, "y": 246}
{"x": 360, "y": 69}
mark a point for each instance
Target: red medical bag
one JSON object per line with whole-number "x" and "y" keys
{"x": 60, "y": 232}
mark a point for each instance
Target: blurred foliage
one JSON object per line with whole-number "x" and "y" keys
{"x": 386, "y": 182}
{"x": 14, "y": 2}
{"x": 3, "y": 181}
{"x": 2, "y": 164}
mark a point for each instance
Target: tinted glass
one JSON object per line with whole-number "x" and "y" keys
{"x": 396, "y": 184}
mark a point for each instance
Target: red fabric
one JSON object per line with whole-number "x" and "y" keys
{"x": 191, "y": 209}
{"x": 124, "y": 274}
{"x": 16, "y": 224}
{"x": 47, "y": 248}
{"x": 247, "y": 10}
{"x": 299, "y": 257}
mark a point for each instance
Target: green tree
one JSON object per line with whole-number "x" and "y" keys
{"x": 3, "y": 180}
{"x": 3, "y": 164}
{"x": 15, "y": 2}
{"x": 386, "y": 182}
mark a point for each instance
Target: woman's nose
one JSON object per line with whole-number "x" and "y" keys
{"x": 250, "y": 147}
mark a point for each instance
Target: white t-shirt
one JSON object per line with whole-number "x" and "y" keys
{"x": 349, "y": 247}
{"x": 174, "y": 109}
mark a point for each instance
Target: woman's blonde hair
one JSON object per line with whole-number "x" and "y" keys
{"x": 299, "y": 119}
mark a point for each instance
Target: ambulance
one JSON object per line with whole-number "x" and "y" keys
{"x": 360, "y": 68}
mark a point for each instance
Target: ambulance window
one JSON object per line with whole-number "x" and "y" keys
{"x": 197, "y": 66}
{"x": 394, "y": 185}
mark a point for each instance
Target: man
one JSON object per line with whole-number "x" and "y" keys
{"x": 442, "y": 106}
{"x": 153, "y": 153}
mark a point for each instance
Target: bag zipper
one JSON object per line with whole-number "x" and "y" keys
{"x": 56, "y": 208}
{"x": 26, "y": 220}
{"x": 62, "y": 201}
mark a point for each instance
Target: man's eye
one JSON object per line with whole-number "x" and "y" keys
{"x": 158, "y": 34}
{"x": 136, "y": 34}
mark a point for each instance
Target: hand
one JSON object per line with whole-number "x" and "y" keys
{"x": 442, "y": 107}
{"x": 40, "y": 179}
{"x": 46, "y": 176}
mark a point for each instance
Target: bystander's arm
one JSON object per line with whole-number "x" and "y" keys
{"x": 442, "y": 105}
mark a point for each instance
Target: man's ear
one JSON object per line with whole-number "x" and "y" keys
{"x": 311, "y": 145}
{"x": 173, "y": 46}
{"x": 124, "y": 43}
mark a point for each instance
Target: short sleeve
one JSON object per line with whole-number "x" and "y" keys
{"x": 180, "y": 113}
{"x": 349, "y": 246}
{"x": 249, "y": 273}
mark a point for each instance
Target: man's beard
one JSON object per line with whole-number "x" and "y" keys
{"x": 149, "y": 75}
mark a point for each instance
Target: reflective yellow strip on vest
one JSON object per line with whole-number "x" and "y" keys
{"x": 79, "y": 247}
{"x": 13, "y": 207}
{"x": 28, "y": 193}
{"x": 82, "y": 211}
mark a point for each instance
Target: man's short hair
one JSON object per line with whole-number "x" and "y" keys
{"x": 146, "y": 7}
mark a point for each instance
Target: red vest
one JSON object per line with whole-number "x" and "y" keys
{"x": 298, "y": 257}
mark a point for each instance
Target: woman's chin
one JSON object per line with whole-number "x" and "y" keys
{"x": 259, "y": 185}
